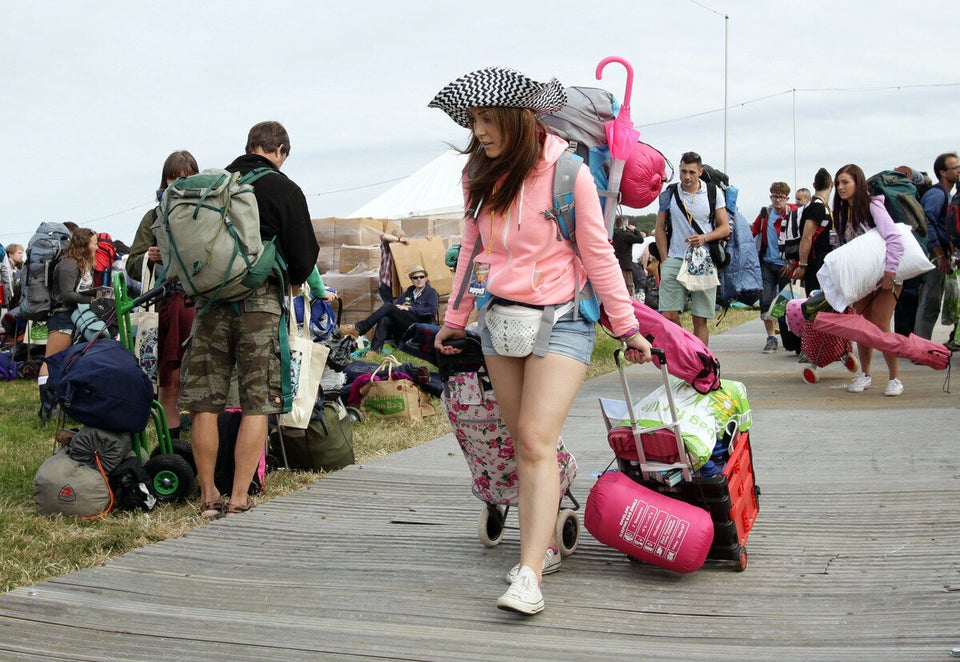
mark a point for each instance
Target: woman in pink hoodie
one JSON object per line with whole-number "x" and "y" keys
{"x": 517, "y": 263}
{"x": 855, "y": 212}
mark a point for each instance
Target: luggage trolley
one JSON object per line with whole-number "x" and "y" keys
{"x": 170, "y": 465}
{"x": 656, "y": 458}
{"x": 474, "y": 414}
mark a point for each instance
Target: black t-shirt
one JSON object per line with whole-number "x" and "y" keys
{"x": 816, "y": 213}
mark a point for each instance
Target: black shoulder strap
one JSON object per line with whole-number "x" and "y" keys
{"x": 712, "y": 202}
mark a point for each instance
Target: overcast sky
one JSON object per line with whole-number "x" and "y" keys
{"x": 95, "y": 94}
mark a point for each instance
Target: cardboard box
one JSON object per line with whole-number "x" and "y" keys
{"x": 428, "y": 253}
{"x": 356, "y": 231}
{"x": 327, "y": 258}
{"x": 358, "y": 292}
{"x": 355, "y": 259}
{"x": 452, "y": 227}
{"x": 417, "y": 227}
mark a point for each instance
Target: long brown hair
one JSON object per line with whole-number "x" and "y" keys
{"x": 79, "y": 248}
{"x": 522, "y": 135}
{"x": 857, "y": 211}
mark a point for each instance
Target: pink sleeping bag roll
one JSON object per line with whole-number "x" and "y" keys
{"x": 647, "y": 525}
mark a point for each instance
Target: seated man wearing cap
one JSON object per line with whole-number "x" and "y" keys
{"x": 418, "y": 303}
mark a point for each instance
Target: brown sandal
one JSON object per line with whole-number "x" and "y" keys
{"x": 231, "y": 509}
{"x": 211, "y": 509}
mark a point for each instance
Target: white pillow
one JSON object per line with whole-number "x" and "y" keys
{"x": 852, "y": 271}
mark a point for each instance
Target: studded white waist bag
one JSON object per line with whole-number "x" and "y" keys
{"x": 513, "y": 329}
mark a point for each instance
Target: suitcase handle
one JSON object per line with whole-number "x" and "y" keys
{"x": 674, "y": 426}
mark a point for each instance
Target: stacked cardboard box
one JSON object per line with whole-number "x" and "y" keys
{"x": 349, "y": 257}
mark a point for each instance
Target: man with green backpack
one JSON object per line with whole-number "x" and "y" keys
{"x": 237, "y": 334}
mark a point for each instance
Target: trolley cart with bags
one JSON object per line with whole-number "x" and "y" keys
{"x": 474, "y": 414}
{"x": 820, "y": 348}
{"x": 170, "y": 465}
{"x": 661, "y": 452}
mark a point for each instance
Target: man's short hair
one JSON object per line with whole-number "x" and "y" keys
{"x": 691, "y": 157}
{"x": 268, "y": 136}
{"x": 941, "y": 163}
{"x": 780, "y": 188}
{"x": 804, "y": 191}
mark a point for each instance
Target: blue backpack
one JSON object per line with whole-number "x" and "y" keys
{"x": 8, "y": 367}
{"x": 323, "y": 318}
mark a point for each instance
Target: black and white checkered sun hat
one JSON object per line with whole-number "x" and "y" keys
{"x": 498, "y": 86}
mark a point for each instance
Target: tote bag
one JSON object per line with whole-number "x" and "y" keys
{"x": 307, "y": 359}
{"x": 145, "y": 328}
{"x": 394, "y": 396}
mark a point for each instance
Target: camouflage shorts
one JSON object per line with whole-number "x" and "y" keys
{"x": 235, "y": 342}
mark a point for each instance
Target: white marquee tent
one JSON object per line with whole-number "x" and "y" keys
{"x": 433, "y": 191}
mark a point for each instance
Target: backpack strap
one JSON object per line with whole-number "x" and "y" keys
{"x": 563, "y": 213}
{"x": 711, "y": 202}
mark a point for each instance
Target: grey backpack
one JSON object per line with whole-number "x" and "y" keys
{"x": 43, "y": 252}
{"x": 64, "y": 486}
{"x": 208, "y": 232}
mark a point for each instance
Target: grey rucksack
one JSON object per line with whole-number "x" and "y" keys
{"x": 43, "y": 252}
{"x": 208, "y": 232}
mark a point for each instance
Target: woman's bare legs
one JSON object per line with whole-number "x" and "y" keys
{"x": 535, "y": 396}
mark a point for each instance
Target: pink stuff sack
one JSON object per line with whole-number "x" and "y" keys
{"x": 644, "y": 173}
{"x": 647, "y": 525}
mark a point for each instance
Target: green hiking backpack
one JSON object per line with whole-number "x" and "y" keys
{"x": 208, "y": 232}
{"x": 901, "y": 199}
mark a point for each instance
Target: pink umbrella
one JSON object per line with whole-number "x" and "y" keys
{"x": 865, "y": 332}
{"x": 621, "y": 137}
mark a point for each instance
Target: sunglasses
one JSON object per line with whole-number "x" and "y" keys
{"x": 418, "y": 277}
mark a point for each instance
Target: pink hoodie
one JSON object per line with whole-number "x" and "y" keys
{"x": 528, "y": 264}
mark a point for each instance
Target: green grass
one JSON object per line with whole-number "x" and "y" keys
{"x": 34, "y": 548}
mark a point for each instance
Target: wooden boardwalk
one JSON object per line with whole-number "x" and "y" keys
{"x": 854, "y": 555}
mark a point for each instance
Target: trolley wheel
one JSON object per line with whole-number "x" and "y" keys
{"x": 851, "y": 363}
{"x": 568, "y": 531}
{"x": 811, "y": 375}
{"x": 181, "y": 448}
{"x": 29, "y": 371}
{"x": 490, "y": 524}
{"x": 741, "y": 563}
{"x": 354, "y": 415}
{"x": 171, "y": 477}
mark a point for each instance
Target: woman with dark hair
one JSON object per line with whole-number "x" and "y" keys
{"x": 176, "y": 318}
{"x": 72, "y": 285}
{"x": 515, "y": 260}
{"x": 817, "y": 232}
{"x": 856, "y": 211}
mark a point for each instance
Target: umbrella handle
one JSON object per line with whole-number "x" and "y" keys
{"x": 613, "y": 58}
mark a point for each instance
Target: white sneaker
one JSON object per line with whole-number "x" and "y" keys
{"x": 523, "y": 596}
{"x": 894, "y": 388}
{"x": 861, "y": 383}
{"x": 551, "y": 563}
